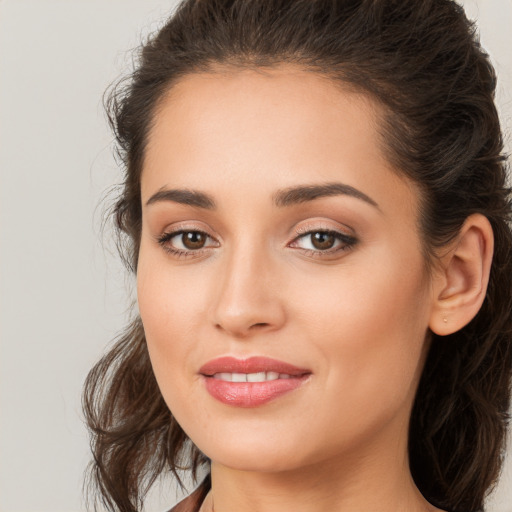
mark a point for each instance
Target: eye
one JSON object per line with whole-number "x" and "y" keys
{"x": 322, "y": 241}
{"x": 184, "y": 242}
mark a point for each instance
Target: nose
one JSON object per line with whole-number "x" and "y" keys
{"x": 248, "y": 296}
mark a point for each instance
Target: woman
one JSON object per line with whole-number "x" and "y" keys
{"x": 316, "y": 211}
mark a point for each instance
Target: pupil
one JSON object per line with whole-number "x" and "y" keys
{"x": 193, "y": 240}
{"x": 323, "y": 240}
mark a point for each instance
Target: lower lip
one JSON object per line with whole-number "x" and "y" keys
{"x": 251, "y": 394}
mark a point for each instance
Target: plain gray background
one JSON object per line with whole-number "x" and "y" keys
{"x": 64, "y": 295}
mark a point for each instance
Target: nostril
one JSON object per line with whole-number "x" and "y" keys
{"x": 262, "y": 324}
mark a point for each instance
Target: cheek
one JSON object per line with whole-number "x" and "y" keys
{"x": 369, "y": 324}
{"x": 170, "y": 299}
{"x": 165, "y": 306}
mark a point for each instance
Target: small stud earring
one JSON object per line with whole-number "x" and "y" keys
{"x": 445, "y": 320}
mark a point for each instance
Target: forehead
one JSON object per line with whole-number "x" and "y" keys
{"x": 284, "y": 103}
{"x": 257, "y": 130}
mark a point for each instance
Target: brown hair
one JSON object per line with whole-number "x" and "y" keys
{"x": 423, "y": 63}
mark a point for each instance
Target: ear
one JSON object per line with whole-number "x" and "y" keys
{"x": 460, "y": 284}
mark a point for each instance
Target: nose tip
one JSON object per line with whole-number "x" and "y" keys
{"x": 247, "y": 301}
{"x": 241, "y": 328}
{"x": 248, "y": 319}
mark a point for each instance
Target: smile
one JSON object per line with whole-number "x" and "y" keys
{"x": 250, "y": 377}
{"x": 251, "y": 382}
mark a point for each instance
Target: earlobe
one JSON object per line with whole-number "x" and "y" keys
{"x": 461, "y": 283}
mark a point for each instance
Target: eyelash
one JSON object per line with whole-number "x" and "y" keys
{"x": 347, "y": 241}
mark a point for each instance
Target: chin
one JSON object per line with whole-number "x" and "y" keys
{"x": 244, "y": 459}
{"x": 256, "y": 453}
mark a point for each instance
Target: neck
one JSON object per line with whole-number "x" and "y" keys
{"x": 377, "y": 478}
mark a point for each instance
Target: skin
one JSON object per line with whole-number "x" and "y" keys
{"x": 357, "y": 318}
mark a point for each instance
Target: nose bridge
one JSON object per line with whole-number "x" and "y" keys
{"x": 247, "y": 300}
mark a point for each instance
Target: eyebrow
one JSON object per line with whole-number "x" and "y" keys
{"x": 282, "y": 198}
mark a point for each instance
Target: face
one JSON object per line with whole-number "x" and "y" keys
{"x": 278, "y": 243}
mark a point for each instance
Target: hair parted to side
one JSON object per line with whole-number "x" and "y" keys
{"x": 423, "y": 63}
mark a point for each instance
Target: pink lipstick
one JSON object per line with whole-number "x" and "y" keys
{"x": 251, "y": 382}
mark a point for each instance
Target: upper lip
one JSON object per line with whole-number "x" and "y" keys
{"x": 257, "y": 364}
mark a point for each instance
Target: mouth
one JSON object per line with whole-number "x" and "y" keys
{"x": 251, "y": 382}
{"x": 250, "y": 377}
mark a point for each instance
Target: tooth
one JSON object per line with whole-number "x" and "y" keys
{"x": 284, "y": 376}
{"x": 272, "y": 375}
{"x": 256, "y": 377}
{"x": 239, "y": 377}
{"x": 223, "y": 376}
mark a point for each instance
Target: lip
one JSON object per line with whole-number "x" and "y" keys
{"x": 230, "y": 364}
{"x": 251, "y": 394}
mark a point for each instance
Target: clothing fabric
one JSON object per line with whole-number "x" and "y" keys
{"x": 193, "y": 502}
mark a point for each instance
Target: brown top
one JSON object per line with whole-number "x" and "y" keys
{"x": 193, "y": 502}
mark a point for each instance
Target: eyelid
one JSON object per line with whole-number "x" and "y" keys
{"x": 321, "y": 225}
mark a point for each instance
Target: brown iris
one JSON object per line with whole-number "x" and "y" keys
{"x": 193, "y": 239}
{"x": 322, "y": 240}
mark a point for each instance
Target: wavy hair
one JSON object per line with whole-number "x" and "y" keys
{"x": 422, "y": 62}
